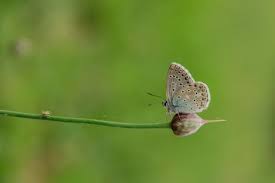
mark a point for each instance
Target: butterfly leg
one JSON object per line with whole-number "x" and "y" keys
{"x": 178, "y": 115}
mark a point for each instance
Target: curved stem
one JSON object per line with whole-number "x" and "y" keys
{"x": 49, "y": 117}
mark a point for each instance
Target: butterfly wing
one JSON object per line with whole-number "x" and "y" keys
{"x": 192, "y": 98}
{"x": 183, "y": 94}
{"x": 177, "y": 77}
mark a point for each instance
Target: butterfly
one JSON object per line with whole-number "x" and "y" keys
{"x": 183, "y": 93}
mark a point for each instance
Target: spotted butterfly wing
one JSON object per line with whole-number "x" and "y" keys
{"x": 177, "y": 77}
{"x": 183, "y": 94}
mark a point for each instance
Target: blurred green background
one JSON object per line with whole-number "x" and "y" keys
{"x": 98, "y": 58}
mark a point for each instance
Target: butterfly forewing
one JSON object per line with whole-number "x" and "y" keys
{"x": 177, "y": 77}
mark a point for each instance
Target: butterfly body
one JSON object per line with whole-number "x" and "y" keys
{"x": 183, "y": 94}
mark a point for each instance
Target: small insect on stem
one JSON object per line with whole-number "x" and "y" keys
{"x": 45, "y": 114}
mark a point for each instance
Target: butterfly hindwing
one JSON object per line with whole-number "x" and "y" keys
{"x": 191, "y": 98}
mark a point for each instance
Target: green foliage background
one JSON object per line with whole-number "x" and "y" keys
{"x": 98, "y": 59}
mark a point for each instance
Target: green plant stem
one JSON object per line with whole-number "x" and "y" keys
{"x": 63, "y": 119}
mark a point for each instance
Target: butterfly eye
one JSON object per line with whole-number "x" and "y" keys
{"x": 164, "y": 103}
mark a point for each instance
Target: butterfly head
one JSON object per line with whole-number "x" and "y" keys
{"x": 167, "y": 106}
{"x": 165, "y": 103}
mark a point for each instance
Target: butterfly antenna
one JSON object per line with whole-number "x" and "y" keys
{"x": 157, "y": 96}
